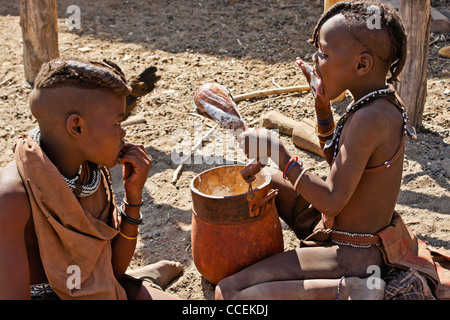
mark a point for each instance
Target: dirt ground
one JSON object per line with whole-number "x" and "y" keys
{"x": 246, "y": 46}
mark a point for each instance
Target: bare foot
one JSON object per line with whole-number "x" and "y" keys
{"x": 362, "y": 289}
{"x": 163, "y": 272}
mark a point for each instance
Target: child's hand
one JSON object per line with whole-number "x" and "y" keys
{"x": 136, "y": 166}
{"x": 314, "y": 82}
{"x": 262, "y": 144}
{"x": 328, "y": 222}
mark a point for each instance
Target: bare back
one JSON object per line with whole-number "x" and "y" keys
{"x": 372, "y": 203}
{"x": 23, "y": 266}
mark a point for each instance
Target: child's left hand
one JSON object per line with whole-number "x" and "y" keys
{"x": 136, "y": 166}
{"x": 314, "y": 82}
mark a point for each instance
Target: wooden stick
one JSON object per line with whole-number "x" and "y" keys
{"x": 3, "y": 82}
{"x": 268, "y": 92}
{"x": 130, "y": 122}
{"x": 266, "y": 100}
{"x": 194, "y": 148}
{"x": 276, "y": 84}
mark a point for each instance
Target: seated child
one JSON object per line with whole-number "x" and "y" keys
{"x": 345, "y": 222}
{"x": 59, "y": 224}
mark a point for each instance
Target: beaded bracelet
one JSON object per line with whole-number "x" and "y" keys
{"x": 327, "y": 122}
{"x": 291, "y": 166}
{"x": 132, "y": 221}
{"x": 339, "y": 287}
{"x": 319, "y": 134}
{"x": 128, "y": 237}
{"x": 325, "y": 139}
{"x": 132, "y": 205}
{"x": 293, "y": 158}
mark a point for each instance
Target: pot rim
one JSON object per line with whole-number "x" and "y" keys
{"x": 195, "y": 190}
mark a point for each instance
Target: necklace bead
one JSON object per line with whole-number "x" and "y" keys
{"x": 81, "y": 191}
{"x": 355, "y": 106}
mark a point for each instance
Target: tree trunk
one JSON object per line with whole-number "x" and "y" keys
{"x": 413, "y": 80}
{"x": 329, "y": 3}
{"x": 38, "y": 19}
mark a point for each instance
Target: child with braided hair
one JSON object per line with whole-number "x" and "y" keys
{"x": 60, "y": 229}
{"x": 346, "y": 224}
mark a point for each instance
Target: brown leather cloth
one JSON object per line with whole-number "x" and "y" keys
{"x": 68, "y": 234}
{"x": 400, "y": 247}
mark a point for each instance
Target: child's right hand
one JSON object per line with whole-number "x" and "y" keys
{"x": 261, "y": 144}
{"x": 136, "y": 166}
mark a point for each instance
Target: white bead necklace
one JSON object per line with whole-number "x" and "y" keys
{"x": 78, "y": 189}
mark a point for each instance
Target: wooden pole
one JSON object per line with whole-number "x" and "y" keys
{"x": 413, "y": 80}
{"x": 38, "y": 20}
{"x": 268, "y": 92}
{"x": 329, "y": 3}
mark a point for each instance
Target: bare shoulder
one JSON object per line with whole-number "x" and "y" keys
{"x": 381, "y": 111}
{"x": 377, "y": 121}
{"x": 15, "y": 208}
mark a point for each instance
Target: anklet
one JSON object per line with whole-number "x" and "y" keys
{"x": 339, "y": 287}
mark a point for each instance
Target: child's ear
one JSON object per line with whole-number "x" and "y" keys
{"x": 75, "y": 125}
{"x": 365, "y": 63}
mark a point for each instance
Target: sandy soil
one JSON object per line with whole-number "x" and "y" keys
{"x": 246, "y": 46}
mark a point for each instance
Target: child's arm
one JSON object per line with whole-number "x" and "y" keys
{"x": 14, "y": 215}
{"x": 136, "y": 166}
{"x": 365, "y": 133}
{"x": 325, "y": 132}
{"x": 325, "y": 121}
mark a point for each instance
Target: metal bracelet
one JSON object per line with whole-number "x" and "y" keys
{"x": 129, "y": 220}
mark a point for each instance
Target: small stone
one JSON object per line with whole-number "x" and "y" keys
{"x": 445, "y": 52}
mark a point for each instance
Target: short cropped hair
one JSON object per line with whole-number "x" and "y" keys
{"x": 356, "y": 16}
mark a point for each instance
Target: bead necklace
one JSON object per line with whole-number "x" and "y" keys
{"x": 355, "y": 106}
{"x": 77, "y": 188}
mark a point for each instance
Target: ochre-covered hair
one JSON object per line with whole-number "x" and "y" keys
{"x": 356, "y": 16}
{"x": 82, "y": 74}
